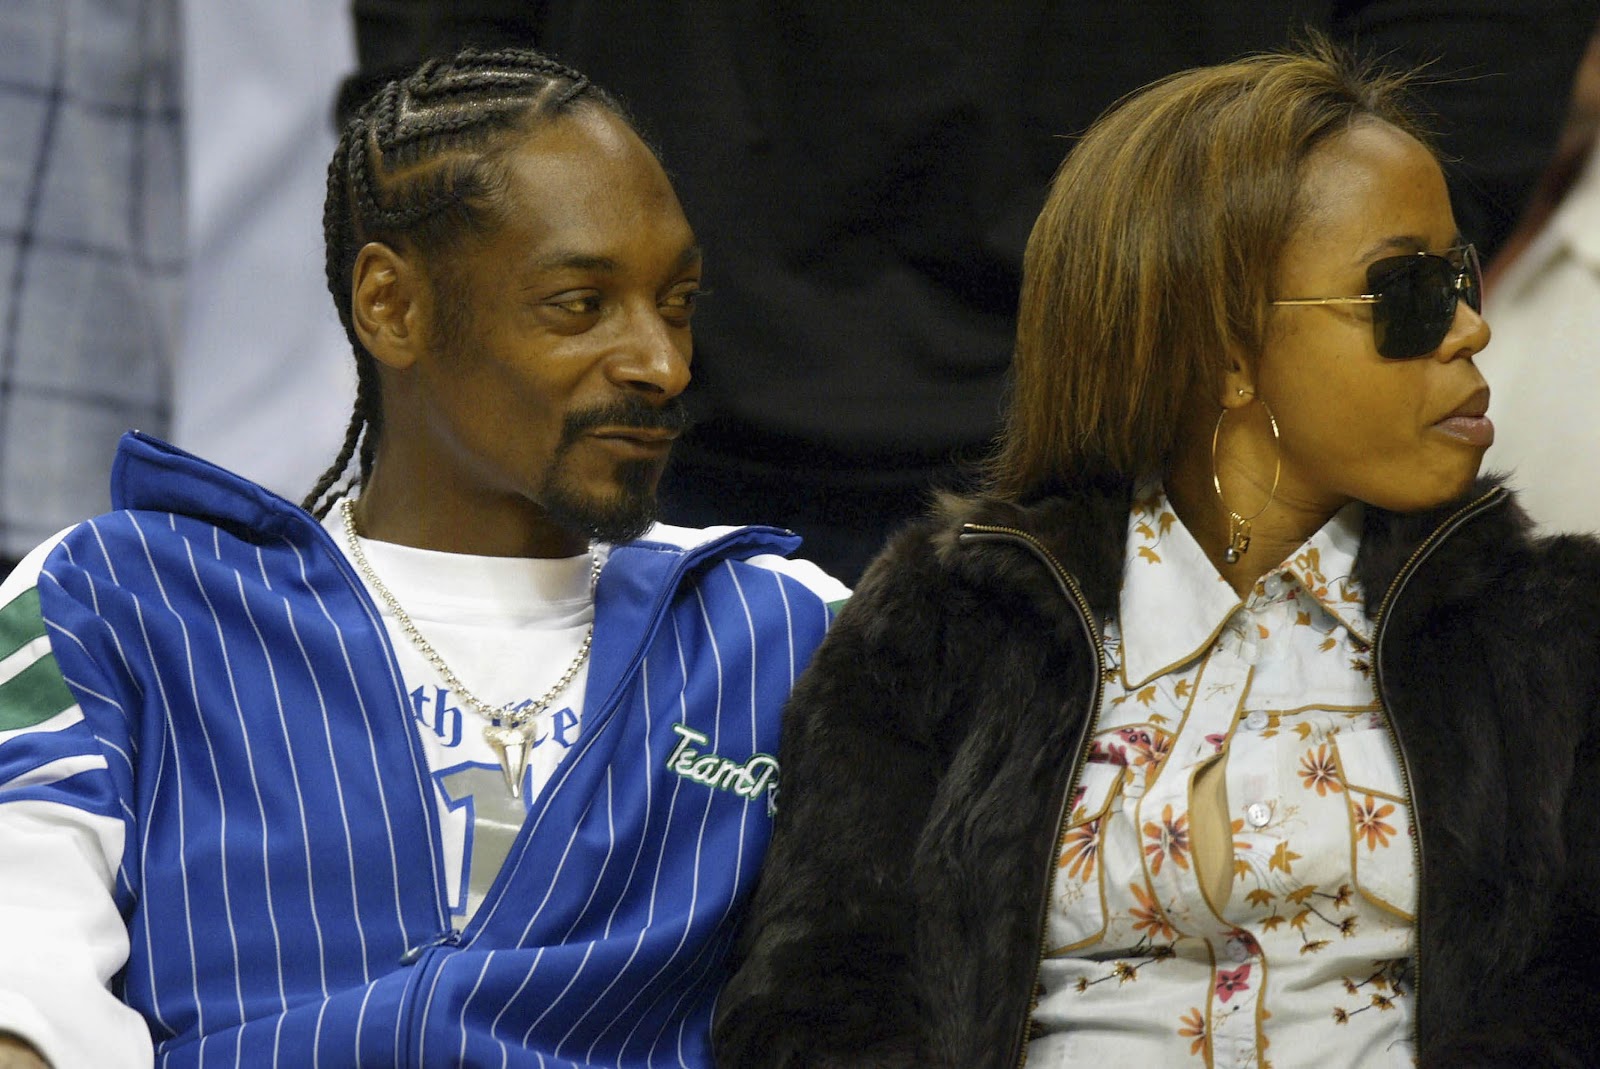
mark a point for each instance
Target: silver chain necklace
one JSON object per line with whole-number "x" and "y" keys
{"x": 509, "y": 732}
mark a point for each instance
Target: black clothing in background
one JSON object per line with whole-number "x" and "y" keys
{"x": 863, "y": 178}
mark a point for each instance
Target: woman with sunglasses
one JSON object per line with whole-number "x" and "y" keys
{"x": 1238, "y": 723}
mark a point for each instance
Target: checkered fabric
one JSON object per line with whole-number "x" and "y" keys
{"x": 91, "y": 247}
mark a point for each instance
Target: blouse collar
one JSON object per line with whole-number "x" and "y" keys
{"x": 1174, "y": 602}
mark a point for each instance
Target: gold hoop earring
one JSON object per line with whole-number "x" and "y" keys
{"x": 1239, "y": 526}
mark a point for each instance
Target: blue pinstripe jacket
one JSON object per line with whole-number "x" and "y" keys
{"x": 282, "y": 877}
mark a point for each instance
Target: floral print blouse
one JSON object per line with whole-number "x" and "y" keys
{"x": 1236, "y": 878}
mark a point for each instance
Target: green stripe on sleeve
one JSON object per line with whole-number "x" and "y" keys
{"x": 34, "y": 695}
{"x": 38, "y": 692}
{"x": 20, "y": 622}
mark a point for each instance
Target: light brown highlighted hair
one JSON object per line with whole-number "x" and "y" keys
{"x": 1153, "y": 256}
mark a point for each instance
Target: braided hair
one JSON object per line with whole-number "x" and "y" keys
{"x": 417, "y": 165}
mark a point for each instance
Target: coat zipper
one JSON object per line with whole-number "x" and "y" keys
{"x": 593, "y": 726}
{"x": 446, "y": 934}
{"x": 425, "y": 956}
{"x": 977, "y": 532}
{"x": 1381, "y": 620}
{"x": 972, "y": 532}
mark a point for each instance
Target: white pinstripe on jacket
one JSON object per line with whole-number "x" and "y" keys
{"x": 202, "y": 723}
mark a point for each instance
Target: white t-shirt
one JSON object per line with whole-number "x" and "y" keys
{"x": 508, "y": 627}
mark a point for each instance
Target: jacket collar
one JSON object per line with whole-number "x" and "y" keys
{"x": 1477, "y": 548}
{"x": 149, "y": 474}
{"x": 1084, "y": 526}
{"x": 638, "y": 582}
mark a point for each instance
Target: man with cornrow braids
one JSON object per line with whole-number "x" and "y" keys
{"x": 467, "y": 762}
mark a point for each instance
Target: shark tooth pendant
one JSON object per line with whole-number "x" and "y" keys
{"x": 510, "y": 744}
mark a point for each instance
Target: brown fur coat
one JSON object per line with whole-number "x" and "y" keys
{"x": 928, "y": 749}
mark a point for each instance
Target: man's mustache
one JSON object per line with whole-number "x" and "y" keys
{"x": 629, "y": 412}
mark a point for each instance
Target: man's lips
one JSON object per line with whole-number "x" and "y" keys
{"x": 629, "y": 420}
{"x": 636, "y": 434}
{"x": 1469, "y": 421}
{"x": 642, "y": 440}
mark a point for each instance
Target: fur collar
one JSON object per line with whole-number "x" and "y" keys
{"x": 1084, "y": 526}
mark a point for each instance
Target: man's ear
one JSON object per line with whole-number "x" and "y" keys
{"x": 388, "y": 305}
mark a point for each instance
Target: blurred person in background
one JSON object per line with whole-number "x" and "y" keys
{"x": 92, "y": 253}
{"x": 161, "y": 165}
{"x": 260, "y": 386}
{"x": 1543, "y": 294}
{"x": 864, "y": 177}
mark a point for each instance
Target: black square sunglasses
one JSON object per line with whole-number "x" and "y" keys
{"x": 1414, "y": 298}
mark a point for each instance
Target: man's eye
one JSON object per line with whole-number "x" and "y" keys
{"x": 683, "y": 301}
{"x": 587, "y": 305}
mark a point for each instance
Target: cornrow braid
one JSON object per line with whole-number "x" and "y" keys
{"x": 417, "y": 165}
{"x": 352, "y": 434}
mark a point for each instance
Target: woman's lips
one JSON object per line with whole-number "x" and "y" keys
{"x": 1470, "y": 421}
{"x": 1474, "y": 430}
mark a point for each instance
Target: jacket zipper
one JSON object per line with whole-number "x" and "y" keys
{"x": 589, "y": 733}
{"x": 1069, "y": 586}
{"x": 419, "y": 760}
{"x": 977, "y": 532}
{"x": 1418, "y": 556}
{"x": 426, "y": 956}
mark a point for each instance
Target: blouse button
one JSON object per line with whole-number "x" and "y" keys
{"x": 1259, "y": 814}
{"x": 1238, "y": 951}
{"x": 1256, "y": 721}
